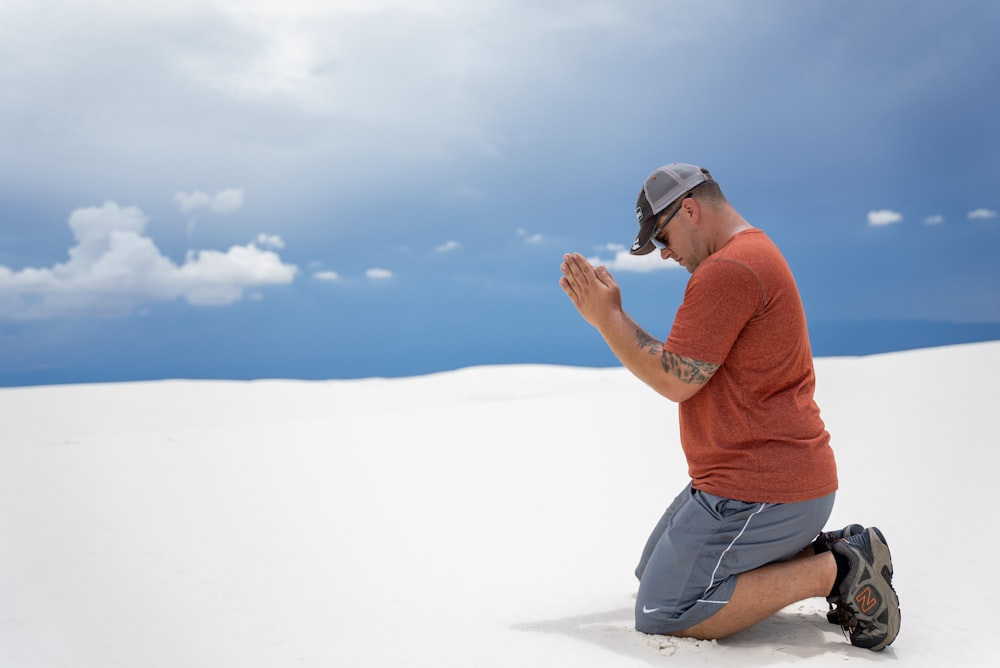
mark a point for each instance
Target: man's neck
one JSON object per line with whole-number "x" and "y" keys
{"x": 730, "y": 223}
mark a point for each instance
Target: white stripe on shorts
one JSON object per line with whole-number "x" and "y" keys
{"x": 722, "y": 556}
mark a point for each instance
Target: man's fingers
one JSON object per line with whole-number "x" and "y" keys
{"x": 604, "y": 276}
{"x": 579, "y": 278}
{"x": 572, "y": 291}
{"x": 578, "y": 267}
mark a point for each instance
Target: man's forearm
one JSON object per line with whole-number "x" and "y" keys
{"x": 638, "y": 352}
{"x": 597, "y": 297}
{"x": 674, "y": 376}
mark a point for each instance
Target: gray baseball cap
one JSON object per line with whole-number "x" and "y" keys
{"x": 663, "y": 187}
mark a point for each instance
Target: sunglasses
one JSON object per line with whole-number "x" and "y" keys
{"x": 656, "y": 234}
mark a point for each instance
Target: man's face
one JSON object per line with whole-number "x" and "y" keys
{"x": 681, "y": 237}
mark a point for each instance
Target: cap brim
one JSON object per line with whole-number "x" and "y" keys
{"x": 642, "y": 250}
{"x": 642, "y": 245}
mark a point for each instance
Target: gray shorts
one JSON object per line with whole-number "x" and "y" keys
{"x": 703, "y": 542}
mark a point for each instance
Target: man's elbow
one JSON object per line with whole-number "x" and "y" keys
{"x": 683, "y": 376}
{"x": 677, "y": 390}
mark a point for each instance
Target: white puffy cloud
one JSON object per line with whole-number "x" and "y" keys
{"x": 229, "y": 200}
{"x": 530, "y": 238}
{"x": 115, "y": 267}
{"x": 377, "y": 274}
{"x": 982, "y": 214}
{"x": 448, "y": 246}
{"x": 622, "y": 260}
{"x": 936, "y": 219}
{"x": 270, "y": 241}
{"x": 326, "y": 275}
{"x": 883, "y": 217}
{"x": 193, "y": 201}
{"x": 214, "y": 278}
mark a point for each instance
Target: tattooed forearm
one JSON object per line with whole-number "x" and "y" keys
{"x": 690, "y": 371}
{"x": 647, "y": 342}
{"x": 686, "y": 369}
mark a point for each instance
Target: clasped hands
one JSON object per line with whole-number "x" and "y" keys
{"x": 593, "y": 291}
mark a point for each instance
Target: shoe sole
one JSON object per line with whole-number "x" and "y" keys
{"x": 867, "y": 605}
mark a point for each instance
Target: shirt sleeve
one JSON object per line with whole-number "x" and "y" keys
{"x": 720, "y": 299}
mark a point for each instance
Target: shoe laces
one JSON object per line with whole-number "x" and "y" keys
{"x": 848, "y": 622}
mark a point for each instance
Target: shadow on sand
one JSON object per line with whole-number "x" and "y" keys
{"x": 794, "y": 634}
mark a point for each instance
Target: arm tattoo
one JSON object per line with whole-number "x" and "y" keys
{"x": 688, "y": 370}
{"x": 647, "y": 342}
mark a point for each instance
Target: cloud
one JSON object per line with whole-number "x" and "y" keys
{"x": 193, "y": 201}
{"x": 229, "y": 200}
{"x": 264, "y": 82}
{"x": 326, "y": 275}
{"x": 270, "y": 241}
{"x": 981, "y": 214}
{"x": 448, "y": 246}
{"x": 377, "y": 274}
{"x": 936, "y": 219}
{"x": 530, "y": 238}
{"x": 883, "y": 217}
{"x": 115, "y": 267}
{"x": 622, "y": 260}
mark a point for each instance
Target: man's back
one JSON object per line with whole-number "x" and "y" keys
{"x": 753, "y": 432}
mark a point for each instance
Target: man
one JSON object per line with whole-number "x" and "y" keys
{"x": 737, "y": 545}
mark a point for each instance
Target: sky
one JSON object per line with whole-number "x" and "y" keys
{"x": 296, "y": 189}
{"x": 300, "y": 523}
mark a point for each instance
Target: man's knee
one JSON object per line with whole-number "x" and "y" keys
{"x": 644, "y": 625}
{"x": 657, "y": 619}
{"x": 699, "y": 631}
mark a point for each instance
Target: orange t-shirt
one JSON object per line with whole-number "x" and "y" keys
{"x": 753, "y": 432}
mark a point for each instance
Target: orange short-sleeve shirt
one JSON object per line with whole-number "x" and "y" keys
{"x": 753, "y": 432}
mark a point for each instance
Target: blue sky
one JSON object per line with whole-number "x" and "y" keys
{"x": 209, "y": 189}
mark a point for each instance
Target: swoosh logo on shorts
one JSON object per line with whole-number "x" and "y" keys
{"x": 649, "y": 610}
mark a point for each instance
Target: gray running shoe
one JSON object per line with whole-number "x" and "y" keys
{"x": 868, "y": 605}
{"x": 824, "y": 543}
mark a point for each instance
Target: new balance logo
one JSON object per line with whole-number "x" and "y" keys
{"x": 867, "y": 600}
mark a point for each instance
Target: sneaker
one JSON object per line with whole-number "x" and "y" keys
{"x": 824, "y": 543}
{"x": 869, "y": 607}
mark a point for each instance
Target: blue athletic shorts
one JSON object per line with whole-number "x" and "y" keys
{"x": 703, "y": 542}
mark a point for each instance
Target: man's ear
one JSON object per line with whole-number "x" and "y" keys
{"x": 693, "y": 208}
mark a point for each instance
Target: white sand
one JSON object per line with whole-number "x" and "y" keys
{"x": 485, "y": 517}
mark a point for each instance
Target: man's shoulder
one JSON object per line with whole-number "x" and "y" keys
{"x": 752, "y": 249}
{"x": 753, "y": 240}
{"x": 750, "y": 262}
